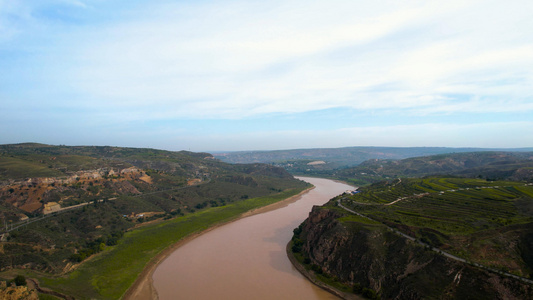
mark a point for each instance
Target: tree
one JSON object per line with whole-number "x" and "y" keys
{"x": 369, "y": 293}
{"x": 357, "y": 288}
{"x": 20, "y": 280}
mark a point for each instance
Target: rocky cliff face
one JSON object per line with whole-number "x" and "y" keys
{"x": 371, "y": 256}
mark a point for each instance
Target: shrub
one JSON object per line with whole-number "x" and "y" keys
{"x": 370, "y": 293}
{"x": 20, "y": 280}
{"x": 316, "y": 268}
{"x": 297, "y": 245}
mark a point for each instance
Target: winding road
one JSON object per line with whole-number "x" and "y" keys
{"x": 444, "y": 253}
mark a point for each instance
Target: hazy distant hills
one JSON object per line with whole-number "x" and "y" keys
{"x": 359, "y": 165}
{"x": 489, "y": 165}
{"x": 345, "y": 157}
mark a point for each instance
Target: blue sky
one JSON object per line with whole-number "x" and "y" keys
{"x": 261, "y": 75}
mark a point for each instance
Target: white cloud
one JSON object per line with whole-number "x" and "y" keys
{"x": 247, "y": 58}
{"x": 244, "y": 58}
{"x": 75, "y": 3}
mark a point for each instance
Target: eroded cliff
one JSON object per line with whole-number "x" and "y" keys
{"x": 368, "y": 255}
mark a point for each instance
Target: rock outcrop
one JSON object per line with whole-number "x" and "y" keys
{"x": 373, "y": 257}
{"x": 12, "y": 292}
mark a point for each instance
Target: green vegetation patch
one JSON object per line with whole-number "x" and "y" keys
{"x": 110, "y": 274}
{"x": 528, "y": 190}
{"x": 450, "y": 205}
{"x": 358, "y": 219}
{"x": 47, "y": 297}
{"x": 478, "y": 220}
{"x": 16, "y": 168}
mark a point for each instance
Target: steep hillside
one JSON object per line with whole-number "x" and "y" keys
{"x": 431, "y": 238}
{"x": 376, "y": 262}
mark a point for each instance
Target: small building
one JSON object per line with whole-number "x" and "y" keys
{"x": 51, "y": 207}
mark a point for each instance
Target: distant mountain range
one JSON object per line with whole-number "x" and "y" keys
{"x": 361, "y": 165}
{"x": 348, "y": 156}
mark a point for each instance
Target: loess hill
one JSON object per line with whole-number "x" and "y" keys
{"x": 59, "y": 204}
{"x": 435, "y": 237}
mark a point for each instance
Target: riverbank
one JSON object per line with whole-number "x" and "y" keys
{"x": 311, "y": 277}
{"x": 143, "y": 287}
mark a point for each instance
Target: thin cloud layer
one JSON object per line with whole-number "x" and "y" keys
{"x": 95, "y": 61}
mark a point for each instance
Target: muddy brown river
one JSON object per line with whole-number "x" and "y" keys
{"x": 245, "y": 259}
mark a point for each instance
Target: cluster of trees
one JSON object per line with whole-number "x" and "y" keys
{"x": 19, "y": 280}
{"x": 96, "y": 246}
{"x": 297, "y": 243}
{"x": 214, "y": 203}
{"x": 242, "y": 180}
{"x": 365, "y": 292}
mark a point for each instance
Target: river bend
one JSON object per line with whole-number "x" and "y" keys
{"x": 245, "y": 259}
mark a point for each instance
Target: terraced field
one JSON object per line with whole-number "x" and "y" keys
{"x": 488, "y": 222}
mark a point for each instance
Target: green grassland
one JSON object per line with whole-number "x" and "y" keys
{"x": 479, "y": 220}
{"x": 351, "y": 218}
{"x": 357, "y": 219}
{"x": 109, "y": 274}
{"x": 13, "y": 167}
{"x": 450, "y": 205}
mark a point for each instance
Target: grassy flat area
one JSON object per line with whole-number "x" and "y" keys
{"x": 110, "y": 274}
{"x": 12, "y": 167}
{"x": 358, "y": 219}
{"x": 454, "y": 206}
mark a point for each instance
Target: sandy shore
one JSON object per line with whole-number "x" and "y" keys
{"x": 143, "y": 287}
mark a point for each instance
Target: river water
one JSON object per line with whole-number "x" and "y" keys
{"x": 245, "y": 259}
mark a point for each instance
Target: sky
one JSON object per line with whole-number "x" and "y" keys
{"x": 263, "y": 75}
